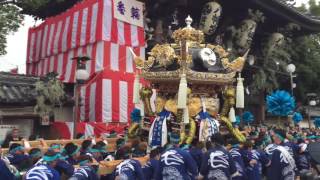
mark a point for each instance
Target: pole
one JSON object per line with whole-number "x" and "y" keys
{"x": 76, "y": 109}
{"x": 291, "y": 82}
{"x": 309, "y": 118}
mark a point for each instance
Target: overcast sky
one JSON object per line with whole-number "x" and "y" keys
{"x": 17, "y": 46}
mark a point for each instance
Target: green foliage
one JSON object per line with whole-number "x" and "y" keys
{"x": 305, "y": 54}
{"x": 303, "y": 51}
{"x": 44, "y": 8}
{"x": 50, "y": 93}
{"x": 303, "y": 8}
{"x": 11, "y": 14}
{"x": 10, "y": 20}
{"x": 314, "y": 8}
{"x": 272, "y": 60}
{"x": 306, "y": 57}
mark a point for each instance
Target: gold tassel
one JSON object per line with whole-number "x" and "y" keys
{"x": 136, "y": 89}
{"x": 232, "y": 115}
{"x": 240, "y": 92}
{"x": 182, "y": 94}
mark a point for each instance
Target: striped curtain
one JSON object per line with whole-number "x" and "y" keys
{"x": 89, "y": 29}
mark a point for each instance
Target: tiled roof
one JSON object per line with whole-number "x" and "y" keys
{"x": 287, "y": 10}
{"x": 17, "y": 89}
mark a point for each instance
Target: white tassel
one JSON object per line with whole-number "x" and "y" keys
{"x": 182, "y": 94}
{"x": 240, "y": 93}
{"x": 142, "y": 109}
{"x": 204, "y": 108}
{"x": 136, "y": 89}
{"x": 186, "y": 116}
{"x": 232, "y": 115}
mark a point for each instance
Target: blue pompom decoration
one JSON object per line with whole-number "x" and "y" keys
{"x": 136, "y": 115}
{"x": 316, "y": 122}
{"x": 247, "y": 117}
{"x": 280, "y": 103}
{"x": 297, "y": 117}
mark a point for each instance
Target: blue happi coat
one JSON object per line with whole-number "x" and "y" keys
{"x": 282, "y": 165}
{"x": 238, "y": 161}
{"x": 264, "y": 161}
{"x": 5, "y": 173}
{"x": 63, "y": 167}
{"x": 196, "y": 154}
{"x": 303, "y": 161}
{"x": 129, "y": 169}
{"x": 217, "y": 164}
{"x": 150, "y": 170}
{"x": 177, "y": 164}
{"x": 42, "y": 172}
{"x": 18, "y": 159}
{"x": 71, "y": 161}
{"x": 85, "y": 173}
{"x": 253, "y": 171}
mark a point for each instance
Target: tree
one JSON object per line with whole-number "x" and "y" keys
{"x": 41, "y": 8}
{"x": 10, "y": 20}
{"x": 306, "y": 56}
{"x": 303, "y": 51}
{"x": 314, "y": 8}
{"x": 11, "y": 14}
{"x": 50, "y": 94}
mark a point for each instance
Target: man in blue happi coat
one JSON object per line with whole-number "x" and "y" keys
{"x": 217, "y": 163}
{"x": 18, "y": 158}
{"x": 303, "y": 159}
{"x": 129, "y": 169}
{"x": 150, "y": 170}
{"x": 86, "y": 171}
{"x": 71, "y": 152}
{"x": 282, "y": 163}
{"x": 176, "y": 163}
{"x": 234, "y": 150}
{"x": 5, "y": 172}
{"x": 196, "y": 151}
{"x": 45, "y": 169}
{"x": 252, "y": 161}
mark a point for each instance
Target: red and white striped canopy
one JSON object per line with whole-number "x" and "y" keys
{"x": 89, "y": 29}
{"x": 87, "y": 22}
{"x": 107, "y": 97}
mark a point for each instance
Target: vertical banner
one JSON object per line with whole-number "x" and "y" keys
{"x": 130, "y": 11}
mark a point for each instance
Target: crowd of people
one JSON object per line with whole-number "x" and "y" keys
{"x": 269, "y": 153}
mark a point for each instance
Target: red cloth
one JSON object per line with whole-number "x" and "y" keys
{"x": 62, "y": 129}
{"x": 14, "y": 71}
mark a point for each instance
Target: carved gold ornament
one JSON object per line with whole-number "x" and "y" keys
{"x": 235, "y": 65}
{"x": 163, "y": 54}
{"x": 139, "y": 62}
{"x": 145, "y": 95}
{"x": 171, "y": 105}
{"x": 186, "y": 34}
{"x": 219, "y": 50}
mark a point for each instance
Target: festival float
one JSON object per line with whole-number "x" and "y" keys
{"x": 195, "y": 90}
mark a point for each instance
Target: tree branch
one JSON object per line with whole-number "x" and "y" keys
{"x": 4, "y": 2}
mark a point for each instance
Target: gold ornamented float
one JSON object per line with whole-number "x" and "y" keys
{"x": 188, "y": 76}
